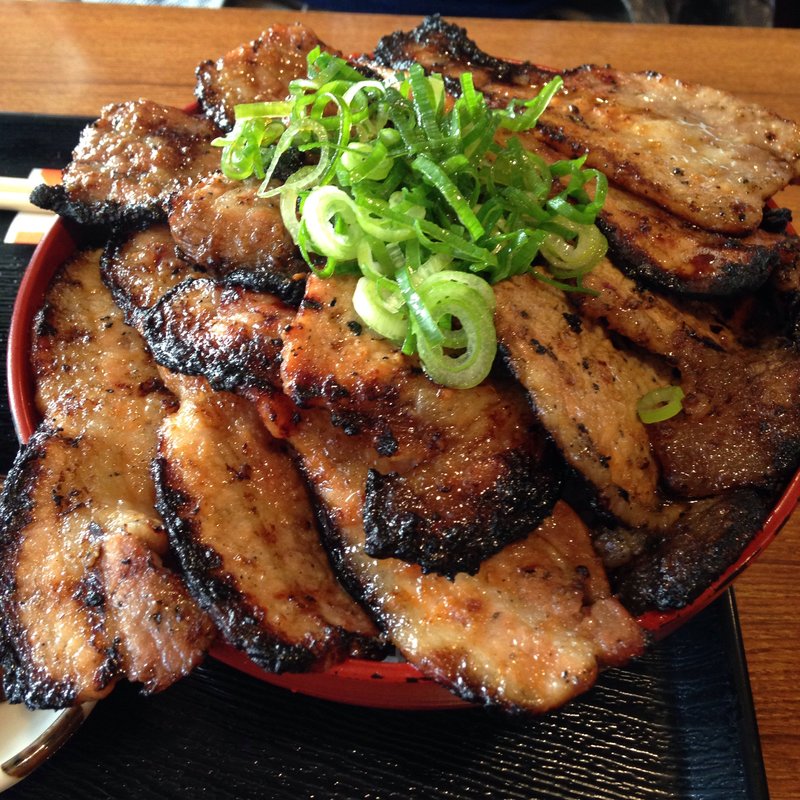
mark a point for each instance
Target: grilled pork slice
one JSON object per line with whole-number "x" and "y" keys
{"x": 740, "y": 414}
{"x": 141, "y": 267}
{"x": 704, "y": 155}
{"x": 466, "y": 471}
{"x": 784, "y": 291}
{"x": 740, "y": 424}
{"x": 91, "y": 369}
{"x": 658, "y": 324}
{"x": 255, "y": 72}
{"x": 442, "y": 47}
{"x": 129, "y": 162}
{"x": 668, "y": 569}
{"x": 85, "y": 596}
{"x": 231, "y": 336}
{"x": 528, "y": 631}
{"x": 585, "y": 391}
{"x": 240, "y": 519}
{"x": 654, "y": 246}
{"x": 657, "y": 248}
{"x": 239, "y": 237}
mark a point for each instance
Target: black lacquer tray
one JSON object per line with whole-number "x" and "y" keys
{"x": 677, "y": 724}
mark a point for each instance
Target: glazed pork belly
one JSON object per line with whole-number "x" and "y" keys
{"x": 238, "y": 513}
{"x": 704, "y": 155}
{"x": 255, "y": 72}
{"x": 456, "y": 481}
{"x": 741, "y": 412}
{"x": 132, "y": 262}
{"x": 584, "y": 390}
{"x": 740, "y": 424}
{"x": 86, "y": 597}
{"x": 528, "y": 631}
{"x": 129, "y": 162}
{"x": 229, "y": 335}
{"x": 669, "y": 254}
{"x": 193, "y": 324}
{"x": 668, "y": 568}
{"x": 238, "y": 237}
{"x": 240, "y": 520}
{"x": 657, "y": 323}
{"x": 467, "y": 470}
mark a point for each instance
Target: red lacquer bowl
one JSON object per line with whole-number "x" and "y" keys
{"x": 368, "y": 683}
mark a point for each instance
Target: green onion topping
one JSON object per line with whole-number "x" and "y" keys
{"x": 660, "y": 404}
{"x": 415, "y": 195}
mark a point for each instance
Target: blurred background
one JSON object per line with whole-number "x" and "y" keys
{"x": 756, "y": 13}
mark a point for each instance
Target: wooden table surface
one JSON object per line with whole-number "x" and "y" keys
{"x": 68, "y": 58}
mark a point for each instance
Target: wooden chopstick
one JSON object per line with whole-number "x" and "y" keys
{"x": 14, "y": 192}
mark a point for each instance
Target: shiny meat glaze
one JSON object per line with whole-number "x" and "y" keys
{"x": 742, "y": 405}
{"x": 240, "y": 519}
{"x": 195, "y": 326}
{"x": 740, "y": 422}
{"x": 86, "y": 599}
{"x": 656, "y": 247}
{"x": 222, "y": 225}
{"x": 467, "y": 470}
{"x": 231, "y": 336}
{"x": 141, "y": 267}
{"x": 706, "y": 156}
{"x": 658, "y": 324}
{"x": 83, "y": 595}
{"x": 784, "y": 291}
{"x": 82, "y": 380}
{"x": 129, "y": 162}
{"x": 585, "y": 392}
{"x": 254, "y": 72}
{"x": 527, "y": 632}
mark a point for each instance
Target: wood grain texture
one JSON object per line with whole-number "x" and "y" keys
{"x": 72, "y": 59}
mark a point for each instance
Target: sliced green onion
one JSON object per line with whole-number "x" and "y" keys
{"x": 319, "y": 210}
{"x": 419, "y": 197}
{"x": 379, "y": 315}
{"x": 255, "y": 110}
{"x": 660, "y": 404}
{"x": 568, "y": 259}
{"x": 469, "y": 368}
{"x": 435, "y": 176}
{"x": 533, "y": 108}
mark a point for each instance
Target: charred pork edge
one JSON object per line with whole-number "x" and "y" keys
{"x": 234, "y": 614}
{"x": 653, "y": 584}
{"x": 21, "y": 684}
{"x": 728, "y": 279}
{"x": 99, "y": 217}
{"x": 181, "y": 356}
{"x": 508, "y": 511}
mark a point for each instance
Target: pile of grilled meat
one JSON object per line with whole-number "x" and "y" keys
{"x": 225, "y": 450}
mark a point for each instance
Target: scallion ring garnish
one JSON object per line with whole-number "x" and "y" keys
{"x": 660, "y": 404}
{"x": 419, "y": 197}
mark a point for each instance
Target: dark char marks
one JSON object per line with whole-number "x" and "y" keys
{"x": 401, "y": 523}
{"x": 184, "y": 333}
{"x": 239, "y": 622}
{"x": 682, "y": 562}
{"x": 446, "y": 42}
{"x": 23, "y": 682}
